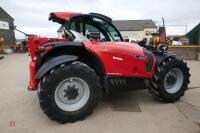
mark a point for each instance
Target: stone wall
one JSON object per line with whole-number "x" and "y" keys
{"x": 186, "y": 52}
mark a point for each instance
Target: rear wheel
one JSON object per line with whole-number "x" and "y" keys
{"x": 170, "y": 80}
{"x": 69, "y": 93}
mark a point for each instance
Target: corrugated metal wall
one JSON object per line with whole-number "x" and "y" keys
{"x": 8, "y": 35}
{"x": 194, "y": 35}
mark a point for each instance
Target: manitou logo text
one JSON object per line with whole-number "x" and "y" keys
{"x": 12, "y": 123}
{"x": 117, "y": 58}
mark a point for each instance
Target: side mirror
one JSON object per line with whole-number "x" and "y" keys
{"x": 163, "y": 48}
{"x": 94, "y": 36}
{"x": 126, "y": 40}
{"x": 150, "y": 47}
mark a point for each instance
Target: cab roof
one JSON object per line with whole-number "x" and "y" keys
{"x": 62, "y": 17}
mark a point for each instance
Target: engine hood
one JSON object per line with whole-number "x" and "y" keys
{"x": 127, "y": 48}
{"x": 115, "y": 47}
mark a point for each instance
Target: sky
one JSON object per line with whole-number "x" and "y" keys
{"x": 31, "y": 16}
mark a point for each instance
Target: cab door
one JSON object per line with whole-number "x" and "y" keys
{"x": 87, "y": 24}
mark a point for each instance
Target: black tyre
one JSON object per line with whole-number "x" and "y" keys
{"x": 170, "y": 80}
{"x": 69, "y": 92}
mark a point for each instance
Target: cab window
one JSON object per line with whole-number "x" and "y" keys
{"x": 110, "y": 30}
{"x": 90, "y": 24}
{"x": 89, "y": 29}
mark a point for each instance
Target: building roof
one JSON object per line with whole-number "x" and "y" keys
{"x": 2, "y": 10}
{"x": 134, "y": 25}
{"x": 194, "y": 35}
{"x": 196, "y": 28}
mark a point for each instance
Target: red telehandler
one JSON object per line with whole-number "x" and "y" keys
{"x": 71, "y": 73}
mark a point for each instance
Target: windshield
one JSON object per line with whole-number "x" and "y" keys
{"x": 89, "y": 24}
{"x": 110, "y": 30}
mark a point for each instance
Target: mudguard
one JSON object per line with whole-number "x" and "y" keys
{"x": 60, "y": 44}
{"x": 163, "y": 56}
{"x": 46, "y": 67}
{"x": 54, "y": 45}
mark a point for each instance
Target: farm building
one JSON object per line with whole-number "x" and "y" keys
{"x": 136, "y": 29}
{"x": 6, "y": 33}
{"x": 194, "y": 35}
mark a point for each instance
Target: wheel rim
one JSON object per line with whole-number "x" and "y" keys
{"x": 173, "y": 80}
{"x": 72, "y": 94}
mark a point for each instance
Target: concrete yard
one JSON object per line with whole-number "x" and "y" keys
{"x": 20, "y": 111}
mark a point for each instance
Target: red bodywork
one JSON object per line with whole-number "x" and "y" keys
{"x": 34, "y": 43}
{"x": 118, "y": 58}
{"x": 62, "y": 17}
{"x": 65, "y": 15}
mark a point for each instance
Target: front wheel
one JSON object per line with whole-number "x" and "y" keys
{"x": 69, "y": 92}
{"x": 170, "y": 80}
